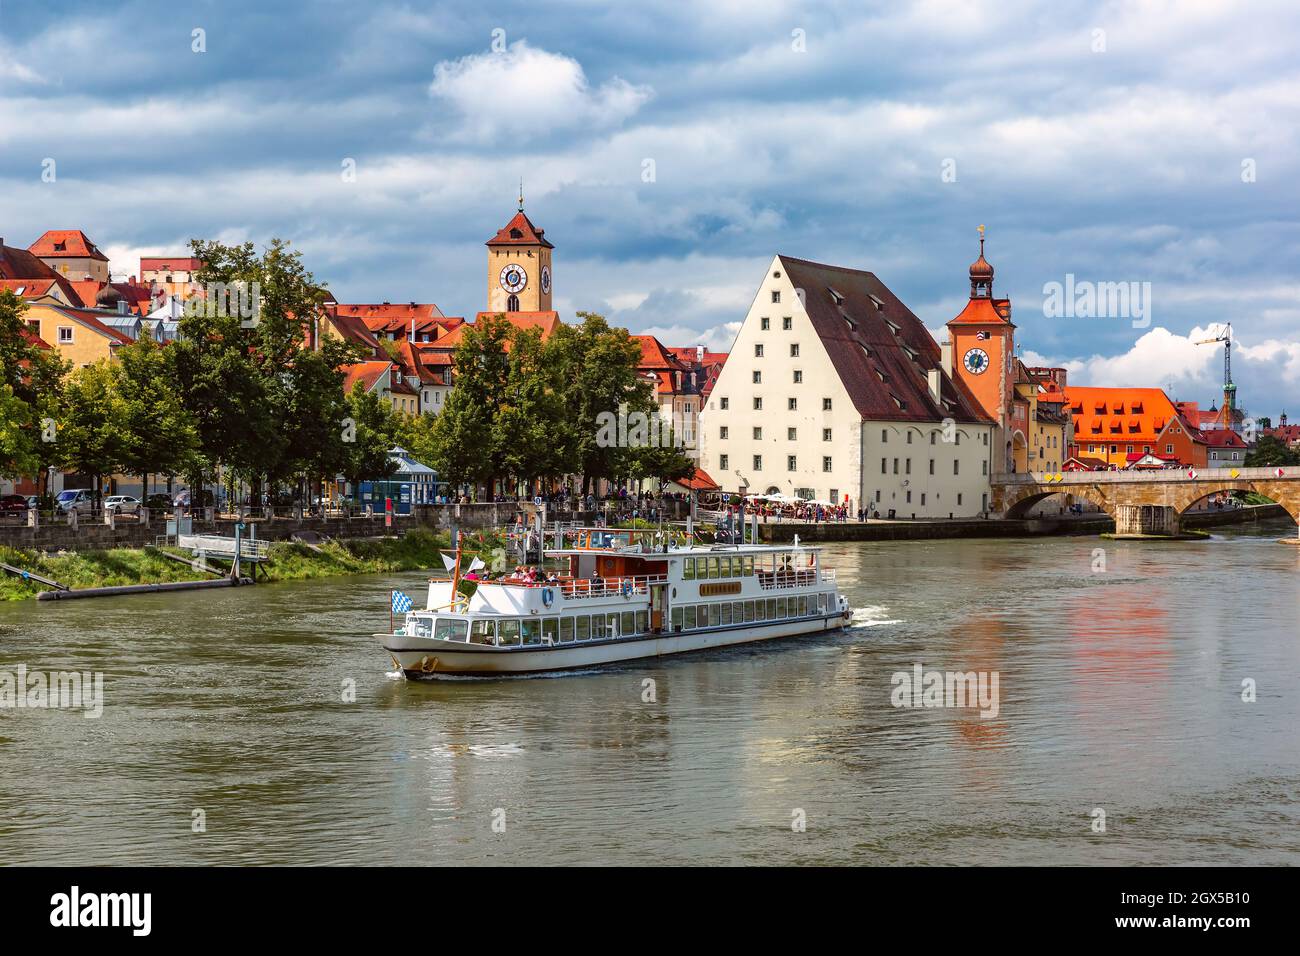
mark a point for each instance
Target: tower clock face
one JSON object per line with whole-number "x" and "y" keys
{"x": 514, "y": 278}
{"x": 976, "y": 361}
{"x": 546, "y": 279}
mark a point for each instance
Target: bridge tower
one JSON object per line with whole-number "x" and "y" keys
{"x": 982, "y": 340}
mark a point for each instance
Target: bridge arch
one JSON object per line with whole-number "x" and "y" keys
{"x": 1032, "y": 495}
{"x": 1281, "y": 493}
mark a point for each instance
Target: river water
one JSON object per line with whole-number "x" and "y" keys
{"x": 1120, "y": 690}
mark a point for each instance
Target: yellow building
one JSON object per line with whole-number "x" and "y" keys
{"x": 80, "y": 335}
{"x": 519, "y": 267}
{"x": 71, "y": 254}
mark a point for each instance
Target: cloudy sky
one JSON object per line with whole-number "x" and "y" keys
{"x": 670, "y": 149}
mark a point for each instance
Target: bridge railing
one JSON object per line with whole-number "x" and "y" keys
{"x": 1159, "y": 476}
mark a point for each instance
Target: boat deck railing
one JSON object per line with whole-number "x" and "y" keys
{"x": 582, "y": 588}
{"x": 773, "y": 581}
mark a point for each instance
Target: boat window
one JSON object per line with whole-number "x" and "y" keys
{"x": 678, "y": 617}
{"x": 508, "y": 633}
{"x": 760, "y": 610}
{"x": 803, "y": 605}
{"x": 566, "y": 629}
{"x": 483, "y": 632}
{"x": 584, "y": 628}
{"x": 449, "y": 629}
{"x": 749, "y": 611}
{"x": 611, "y": 625}
{"x": 628, "y": 624}
{"x": 688, "y": 569}
{"x": 690, "y": 617}
{"x": 550, "y": 630}
{"x": 712, "y": 610}
{"x": 642, "y": 622}
{"x": 780, "y": 607}
{"x": 725, "y": 567}
{"x": 713, "y": 567}
{"x": 531, "y": 631}
{"x": 749, "y": 566}
{"x": 726, "y": 613}
{"x": 771, "y": 609}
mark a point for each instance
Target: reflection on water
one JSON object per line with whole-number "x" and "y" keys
{"x": 1119, "y": 690}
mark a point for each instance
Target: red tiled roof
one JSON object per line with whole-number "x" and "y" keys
{"x": 982, "y": 311}
{"x": 547, "y": 322}
{"x": 398, "y": 311}
{"x": 31, "y": 288}
{"x": 170, "y": 264}
{"x": 520, "y": 231}
{"x": 90, "y": 319}
{"x": 858, "y": 336}
{"x": 70, "y": 243}
{"x": 86, "y": 290}
{"x": 367, "y": 373}
{"x": 699, "y": 481}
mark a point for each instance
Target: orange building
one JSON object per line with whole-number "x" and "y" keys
{"x": 1110, "y": 424}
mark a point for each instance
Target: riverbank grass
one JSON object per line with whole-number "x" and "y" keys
{"x": 416, "y": 550}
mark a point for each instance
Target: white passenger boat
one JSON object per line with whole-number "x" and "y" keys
{"x": 625, "y": 595}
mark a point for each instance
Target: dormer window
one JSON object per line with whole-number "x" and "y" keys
{"x": 836, "y": 297}
{"x": 878, "y": 302}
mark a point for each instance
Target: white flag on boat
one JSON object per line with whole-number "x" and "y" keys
{"x": 476, "y": 564}
{"x": 447, "y": 562}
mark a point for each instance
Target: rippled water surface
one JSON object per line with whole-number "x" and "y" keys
{"x": 1120, "y": 689}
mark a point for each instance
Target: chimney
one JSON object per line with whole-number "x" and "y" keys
{"x": 934, "y": 380}
{"x": 945, "y": 362}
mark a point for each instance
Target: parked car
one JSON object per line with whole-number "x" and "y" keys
{"x": 76, "y": 499}
{"x": 182, "y": 499}
{"x": 13, "y": 505}
{"x": 121, "y": 505}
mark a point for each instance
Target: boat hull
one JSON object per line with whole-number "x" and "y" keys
{"x": 421, "y": 657}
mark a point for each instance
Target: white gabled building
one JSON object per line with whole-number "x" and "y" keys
{"x": 835, "y": 391}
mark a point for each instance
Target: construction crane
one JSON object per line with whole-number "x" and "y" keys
{"x": 1229, "y": 390}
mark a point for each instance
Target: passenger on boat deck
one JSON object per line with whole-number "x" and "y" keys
{"x": 552, "y": 578}
{"x": 472, "y": 576}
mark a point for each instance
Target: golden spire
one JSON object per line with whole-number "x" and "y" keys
{"x": 521, "y": 195}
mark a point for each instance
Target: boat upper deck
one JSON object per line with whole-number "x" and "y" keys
{"x": 651, "y": 542}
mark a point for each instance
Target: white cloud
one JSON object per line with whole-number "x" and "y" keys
{"x": 1264, "y": 372}
{"x": 525, "y": 89}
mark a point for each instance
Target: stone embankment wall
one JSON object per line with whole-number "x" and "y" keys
{"x": 129, "y": 533}
{"x": 995, "y": 527}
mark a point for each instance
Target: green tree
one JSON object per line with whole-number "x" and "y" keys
{"x": 1269, "y": 451}
{"x": 92, "y": 426}
{"x": 34, "y": 376}
{"x": 464, "y": 442}
{"x": 598, "y": 366}
{"x": 160, "y": 435}
{"x": 373, "y": 430}
{"x": 18, "y": 436}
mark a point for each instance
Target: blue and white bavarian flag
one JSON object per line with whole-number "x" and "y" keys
{"x": 401, "y": 602}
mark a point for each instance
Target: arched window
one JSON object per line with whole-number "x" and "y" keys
{"x": 512, "y": 304}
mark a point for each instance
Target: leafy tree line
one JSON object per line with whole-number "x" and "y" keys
{"x": 258, "y": 398}
{"x": 253, "y": 398}
{"x": 528, "y": 413}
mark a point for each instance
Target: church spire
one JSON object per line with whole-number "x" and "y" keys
{"x": 981, "y": 274}
{"x": 521, "y": 194}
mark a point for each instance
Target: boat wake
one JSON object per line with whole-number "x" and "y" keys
{"x": 873, "y": 615}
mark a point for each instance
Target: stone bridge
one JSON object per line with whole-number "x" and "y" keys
{"x": 1145, "y": 501}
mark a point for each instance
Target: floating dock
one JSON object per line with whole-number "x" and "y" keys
{"x": 141, "y": 589}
